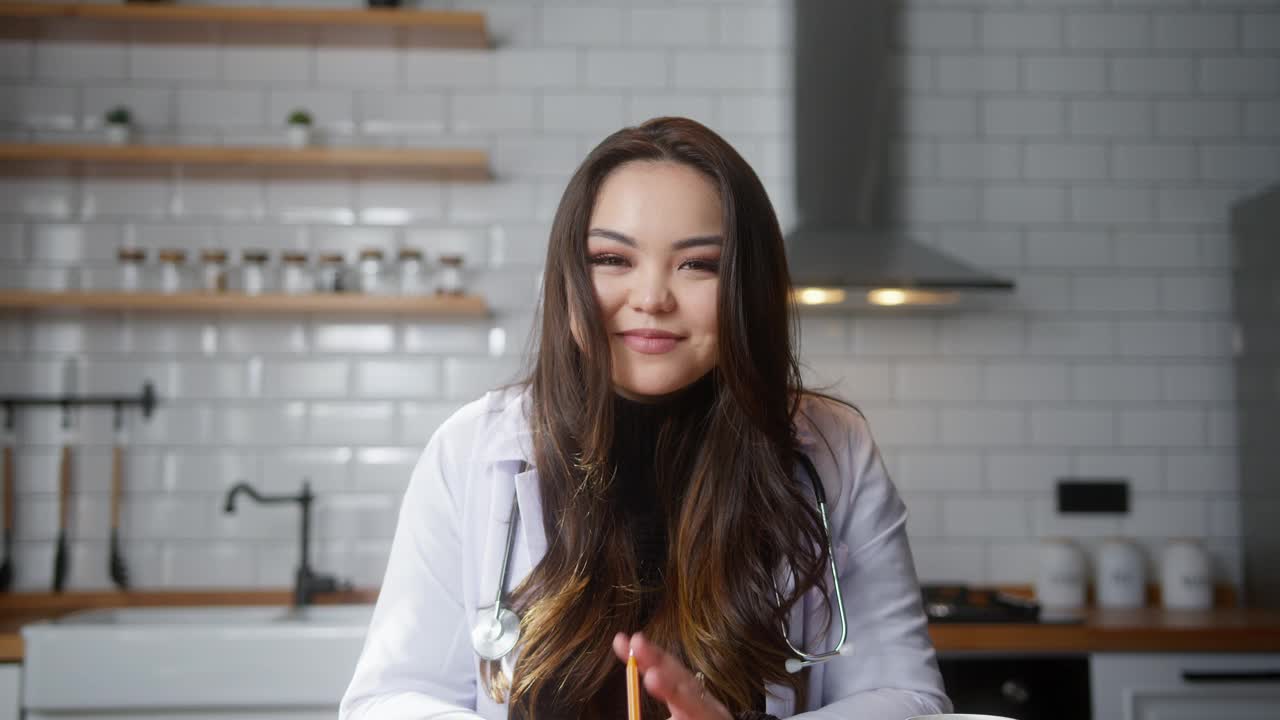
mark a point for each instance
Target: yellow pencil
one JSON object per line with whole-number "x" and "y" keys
{"x": 633, "y": 688}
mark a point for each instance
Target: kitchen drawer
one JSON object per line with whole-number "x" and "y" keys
{"x": 1185, "y": 686}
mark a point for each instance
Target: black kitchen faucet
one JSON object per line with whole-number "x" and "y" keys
{"x": 306, "y": 583}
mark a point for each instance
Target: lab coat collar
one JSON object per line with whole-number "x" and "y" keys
{"x": 529, "y": 498}
{"x": 512, "y": 439}
{"x": 510, "y": 454}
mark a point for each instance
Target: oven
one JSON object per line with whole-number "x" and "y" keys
{"x": 1024, "y": 687}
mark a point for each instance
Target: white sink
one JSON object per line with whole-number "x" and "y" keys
{"x": 243, "y": 657}
{"x": 224, "y": 616}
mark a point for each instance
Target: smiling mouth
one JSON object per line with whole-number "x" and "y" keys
{"x": 650, "y": 344}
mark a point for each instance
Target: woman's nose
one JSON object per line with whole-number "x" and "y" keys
{"x": 652, "y": 294}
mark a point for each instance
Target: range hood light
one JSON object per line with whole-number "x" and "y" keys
{"x": 887, "y": 296}
{"x": 820, "y": 296}
{"x": 894, "y": 296}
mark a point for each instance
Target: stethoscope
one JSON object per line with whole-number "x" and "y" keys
{"x": 496, "y": 633}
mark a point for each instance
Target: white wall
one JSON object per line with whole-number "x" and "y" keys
{"x": 1088, "y": 149}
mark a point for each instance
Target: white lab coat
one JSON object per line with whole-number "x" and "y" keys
{"x": 417, "y": 660}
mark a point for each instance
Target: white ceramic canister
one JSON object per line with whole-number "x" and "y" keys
{"x": 1186, "y": 577}
{"x": 1062, "y": 578}
{"x": 1120, "y": 577}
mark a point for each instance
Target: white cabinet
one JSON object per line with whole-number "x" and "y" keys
{"x": 10, "y": 691}
{"x": 1185, "y": 686}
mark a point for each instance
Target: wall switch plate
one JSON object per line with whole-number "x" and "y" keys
{"x": 1093, "y": 495}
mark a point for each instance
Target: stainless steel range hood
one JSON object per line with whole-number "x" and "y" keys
{"x": 843, "y": 252}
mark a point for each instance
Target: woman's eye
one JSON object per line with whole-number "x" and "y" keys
{"x": 704, "y": 265}
{"x": 604, "y": 259}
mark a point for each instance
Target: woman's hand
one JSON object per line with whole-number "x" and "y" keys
{"x": 665, "y": 678}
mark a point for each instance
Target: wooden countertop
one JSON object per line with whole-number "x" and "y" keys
{"x": 1145, "y": 630}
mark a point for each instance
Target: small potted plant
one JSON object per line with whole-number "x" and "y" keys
{"x": 299, "y": 125}
{"x": 119, "y": 124}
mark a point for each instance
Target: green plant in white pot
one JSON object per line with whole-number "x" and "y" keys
{"x": 118, "y": 122}
{"x": 299, "y": 128}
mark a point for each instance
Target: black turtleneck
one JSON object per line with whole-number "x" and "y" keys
{"x": 637, "y": 425}
{"x": 642, "y": 503}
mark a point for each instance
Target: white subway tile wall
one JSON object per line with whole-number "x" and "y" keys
{"x": 1090, "y": 149}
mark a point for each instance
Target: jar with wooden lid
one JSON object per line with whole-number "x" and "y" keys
{"x": 213, "y": 270}
{"x": 449, "y": 277}
{"x": 172, "y": 270}
{"x": 295, "y": 275}
{"x": 330, "y": 273}
{"x": 370, "y": 277}
{"x": 133, "y": 262}
{"x": 413, "y": 279}
{"x": 253, "y": 272}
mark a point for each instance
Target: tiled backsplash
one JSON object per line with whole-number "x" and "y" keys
{"x": 1088, "y": 148}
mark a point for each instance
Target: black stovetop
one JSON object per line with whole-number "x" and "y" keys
{"x": 963, "y": 604}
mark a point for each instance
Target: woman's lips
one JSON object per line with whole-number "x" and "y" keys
{"x": 650, "y": 345}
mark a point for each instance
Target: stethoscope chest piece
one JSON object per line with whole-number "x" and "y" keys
{"x": 495, "y": 634}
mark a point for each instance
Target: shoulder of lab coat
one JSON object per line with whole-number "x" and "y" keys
{"x": 417, "y": 660}
{"x": 892, "y": 671}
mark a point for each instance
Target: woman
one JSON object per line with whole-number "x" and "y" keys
{"x": 650, "y": 469}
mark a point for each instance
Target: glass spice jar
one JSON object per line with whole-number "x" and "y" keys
{"x": 369, "y": 273}
{"x": 412, "y": 279}
{"x": 253, "y": 272}
{"x": 171, "y": 270}
{"x": 449, "y": 278}
{"x": 213, "y": 271}
{"x": 295, "y": 276}
{"x": 132, "y": 263}
{"x": 329, "y": 273}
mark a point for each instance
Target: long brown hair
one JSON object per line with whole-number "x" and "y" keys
{"x": 737, "y": 516}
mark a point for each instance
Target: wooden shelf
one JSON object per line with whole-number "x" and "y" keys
{"x": 424, "y": 163}
{"x": 438, "y": 305}
{"x": 440, "y": 28}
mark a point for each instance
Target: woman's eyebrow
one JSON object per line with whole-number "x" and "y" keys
{"x": 677, "y": 245}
